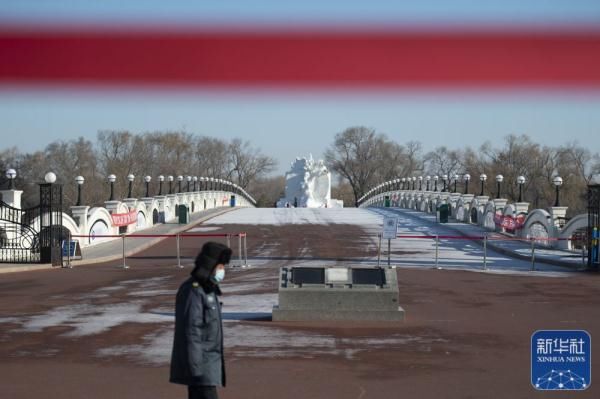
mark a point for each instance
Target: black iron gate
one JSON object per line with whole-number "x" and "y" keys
{"x": 19, "y": 235}
{"x": 51, "y": 231}
{"x": 593, "y": 238}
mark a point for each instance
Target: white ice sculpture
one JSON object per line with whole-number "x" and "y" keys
{"x": 307, "y": 185}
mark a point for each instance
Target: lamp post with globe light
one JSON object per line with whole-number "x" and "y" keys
{"x": 520, "y": 182}
{"x": 111, "y": 180}
{"x": 557, "y": 181}
{"x": 147, "y": 179}
{"x": 456, "y": 177}
{"x": 499, "y": 179}
{"x": 161, "y": 179}
{"x": 482, "y": 178}
{"x": 466, "y": 178}
{"x": 11, "y": 174}
{"x": 130, "y": 178}
{"x": 170, "y": 179}
{"x": 79, "y": 180}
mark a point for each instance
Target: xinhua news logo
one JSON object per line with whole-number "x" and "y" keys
{"x": 561, "y": 360}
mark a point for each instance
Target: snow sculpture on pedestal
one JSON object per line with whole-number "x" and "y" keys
{"x": 308, "y": 185}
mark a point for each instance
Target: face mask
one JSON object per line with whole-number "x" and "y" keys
{"x": 219, "y": 275}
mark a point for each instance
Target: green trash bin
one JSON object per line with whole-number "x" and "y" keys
{"x": 386, "y": 201}
{"x": 443, "y": 211}
{"x": 184, "y": 215}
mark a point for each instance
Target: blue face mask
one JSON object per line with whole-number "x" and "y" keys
{"x": 219, "y": 275}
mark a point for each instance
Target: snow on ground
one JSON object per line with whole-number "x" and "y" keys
{"x": 452, "y": 253}
{"x": 285, "y": 216}
{"x": 202, "y": 229}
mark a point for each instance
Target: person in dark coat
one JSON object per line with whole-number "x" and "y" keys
{"x": 197, "y": 359}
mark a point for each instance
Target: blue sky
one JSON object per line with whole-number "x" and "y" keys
{"x": 288, "y": 124}
{"x": 276, "y": 11}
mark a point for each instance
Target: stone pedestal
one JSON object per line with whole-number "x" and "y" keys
{"x": 112, "y": 206}
{"x": 338, "y": 293}
{"x": 80, "y": 215}
{"x": 499, "y": 204}
{"x": 12, "y": 197}
{"x": 482, "y": 199}
{"x": 467, "y": 198}
{"x": 130, "y": 202}
{"x": 522, "y": 207}
{"x": 558, "y": 212}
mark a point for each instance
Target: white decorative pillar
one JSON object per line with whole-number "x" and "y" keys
{"x": 558, "y": 212}
{"x": 522, "y": 207}
{"x": 499, "y": 204}
{"x": 467, "y": 201}
{"x": 12, "y": 197}
{"x": 112, "y": 206}
{"x": 80, "y": 215}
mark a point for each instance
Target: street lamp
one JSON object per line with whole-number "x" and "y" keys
{"x": 435, "y": 180}
{"x": 195, "y": 182}
{"x": 170, "y": 179}
{"x": 466, "y": 178}
{"x": 499, "y": 180}
{"x": 445, "y": 180}
{"x": 483, "y": 178}
{"x": 420, "y": 183}
{"x": 179, "y": 180}
{"x": 212, "y": 181}
{"x": 558, "y": 181}
{"x": 79, "y": 180}
{"x": 161, "y": 179}
{"x": 50, "y": 178}
{"x": 403, "y": 183}
{"x": 428, "y": 179}
{"x": 456, "y": 177}
{"x": 414, "y": 179}
{"x": 520, "y": 182}
{"x": 147, "y": 180}
{"x": 130, "y": 177}
{"x": 10, "y": 175}
{"x": 188, "y": 179}
{"x": 111, "y": 180}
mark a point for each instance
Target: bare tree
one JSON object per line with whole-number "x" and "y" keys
{"x": 364, "y": 157}
{"x": 246, "y": 164}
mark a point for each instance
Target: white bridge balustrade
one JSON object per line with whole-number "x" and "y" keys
{"x": 124, "y": 216}
{"x": 547, "y": 227}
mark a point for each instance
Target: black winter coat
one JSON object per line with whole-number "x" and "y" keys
{"x": 197, "y": 357}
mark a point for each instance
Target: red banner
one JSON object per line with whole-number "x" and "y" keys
{"x": 124, "y": 219}
{"x": 509, "y": 222}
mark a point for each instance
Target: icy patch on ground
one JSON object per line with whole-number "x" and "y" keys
{"x": 87, "y": 319}
{"x": 155, "y": 350}
{"x": 152, "y": 293}
{"x": 271, "y": 342}
{"x": 202, "y": 229}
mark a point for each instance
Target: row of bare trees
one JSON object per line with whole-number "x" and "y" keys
{"x": 123, "y": 153}
{"x": 362, "y": 158}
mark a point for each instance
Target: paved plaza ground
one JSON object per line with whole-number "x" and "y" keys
{"x": 98, "y": 331}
